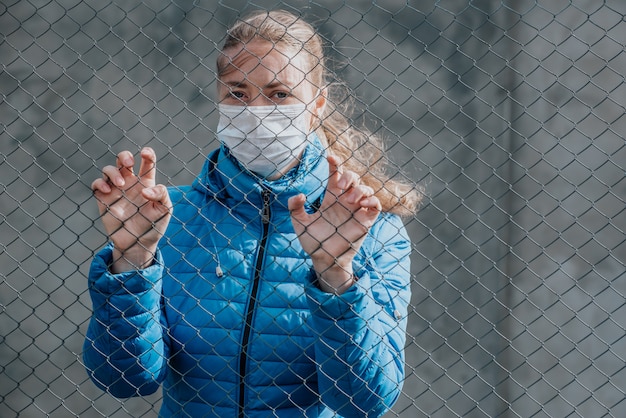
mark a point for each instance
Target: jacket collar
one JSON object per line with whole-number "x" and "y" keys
{"x": 223, "y": 178}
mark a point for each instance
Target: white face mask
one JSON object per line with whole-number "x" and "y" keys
{"x": 264, "y": 139}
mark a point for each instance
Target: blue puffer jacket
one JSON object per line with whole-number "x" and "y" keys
{"x": 228, "y": 318}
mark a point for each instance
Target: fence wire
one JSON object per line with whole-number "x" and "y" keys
{"x": 510, "y": 113}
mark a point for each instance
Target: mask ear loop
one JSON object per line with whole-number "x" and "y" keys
{"x": 316, "y": 116}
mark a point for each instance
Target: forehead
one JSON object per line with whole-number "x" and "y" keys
{"x": 262, "y": 62}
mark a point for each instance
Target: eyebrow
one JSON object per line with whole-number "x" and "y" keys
{"x": 245, "y": 83}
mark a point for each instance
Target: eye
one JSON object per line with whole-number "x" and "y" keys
{"x": 279, "y": 96}
{"x": 237, "y": 94}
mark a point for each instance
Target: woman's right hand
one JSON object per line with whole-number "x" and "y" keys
{"x": 135, "y": 211}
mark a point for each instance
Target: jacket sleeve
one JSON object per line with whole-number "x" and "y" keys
{"x": 124, "y": 350}
{"x": 362, "y": 333}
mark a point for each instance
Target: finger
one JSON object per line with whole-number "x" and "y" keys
{"x": 296, "y": 206}
{"x": 100, "y": 185}
{"x": 371, "y": 203}
{"x": 358, "y": 193}
{"x": 347, "y": 180}
{"x": 147, "y": 168}
{"x": 334, "y": 174}
{"x": 334, "y": 163}
{"x": 338, "y": 179}
{"x": 125, "y": 162}
{"x": 112, "y": 175}
{"x": 158, "y": 194}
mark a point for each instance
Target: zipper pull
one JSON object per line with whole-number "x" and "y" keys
{"x": 265, "y": 215}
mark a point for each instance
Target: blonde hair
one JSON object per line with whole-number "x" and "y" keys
{"x": 360, "y": 150}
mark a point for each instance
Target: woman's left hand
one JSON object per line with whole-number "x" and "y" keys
{"x": 332, "y": 235}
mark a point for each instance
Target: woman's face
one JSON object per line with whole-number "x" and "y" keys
{"x": 258, "y": 74}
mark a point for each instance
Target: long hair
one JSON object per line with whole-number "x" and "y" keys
{"x": 360, "y": 150}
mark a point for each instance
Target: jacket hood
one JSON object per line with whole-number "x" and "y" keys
{"x": 224, "y": 179}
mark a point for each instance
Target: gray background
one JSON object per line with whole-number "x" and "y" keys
{"x": 509, "y": 113}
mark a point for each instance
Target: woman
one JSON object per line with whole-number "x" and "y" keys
{"x": 278, "y": 282}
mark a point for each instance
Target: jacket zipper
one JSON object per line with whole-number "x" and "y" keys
{"x": 243, "y": 359}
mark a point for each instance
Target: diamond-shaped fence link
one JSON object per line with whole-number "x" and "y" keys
{"x": 509, "y": 114}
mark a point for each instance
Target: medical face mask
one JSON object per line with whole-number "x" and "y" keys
{"x": 264, "y": 139}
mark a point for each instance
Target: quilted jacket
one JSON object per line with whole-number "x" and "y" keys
{"x": 228, "y": 319}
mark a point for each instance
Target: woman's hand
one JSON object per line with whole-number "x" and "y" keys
{"x": 334, "y": 234}
{"x": 134, "y": 210}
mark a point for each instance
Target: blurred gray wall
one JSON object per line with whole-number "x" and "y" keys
{"x": 509, "y": 113}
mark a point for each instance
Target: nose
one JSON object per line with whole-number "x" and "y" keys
{"x": 260, "y": 100}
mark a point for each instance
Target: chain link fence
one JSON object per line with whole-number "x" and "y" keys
{"x": 510, "y": 113}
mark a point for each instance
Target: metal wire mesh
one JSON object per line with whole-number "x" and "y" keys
{"x": 510, "y": 113}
